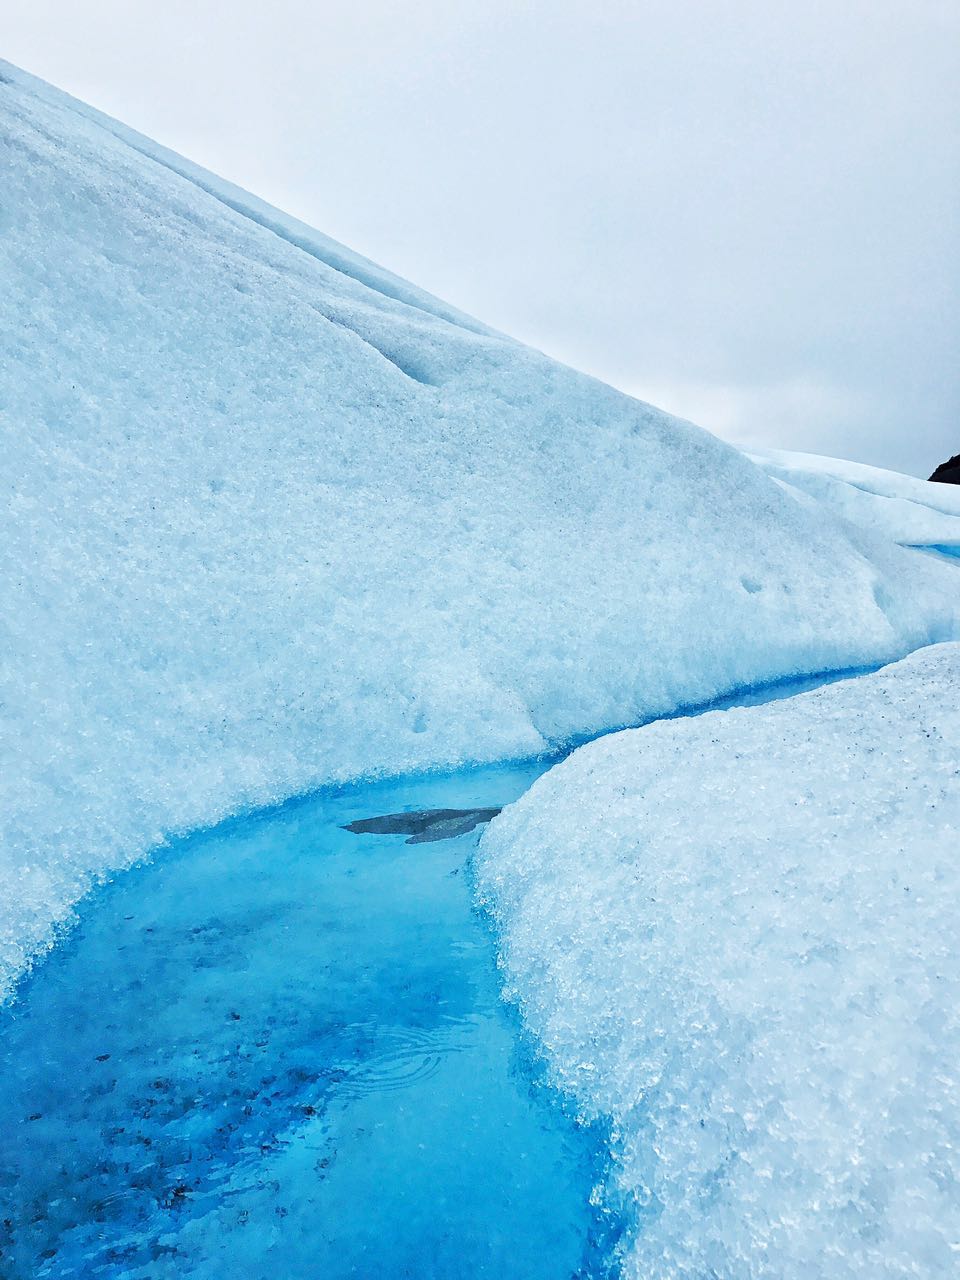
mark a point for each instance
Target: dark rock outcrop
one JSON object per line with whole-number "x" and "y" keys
{"x": 948, "y": 472}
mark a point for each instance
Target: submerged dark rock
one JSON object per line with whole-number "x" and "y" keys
{"x": 424, "y": 825}
{"x": 948, "y": 472}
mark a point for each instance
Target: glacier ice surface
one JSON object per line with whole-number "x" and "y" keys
{"x": 736, "y": 937}
{"x": 275, "y": 519}
{"x": 914, "y": 513}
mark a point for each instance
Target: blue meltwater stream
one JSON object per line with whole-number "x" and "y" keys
{"x": 279, "y": 1050}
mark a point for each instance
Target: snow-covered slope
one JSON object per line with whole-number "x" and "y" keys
{"x": 913, "y": 512}
{"x": 275, "y": 518}
{"x": 736, "y": 936}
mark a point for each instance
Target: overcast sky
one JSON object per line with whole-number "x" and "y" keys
{"x": 748, "y": 213}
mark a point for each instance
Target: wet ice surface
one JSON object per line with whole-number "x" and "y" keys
{"x": 279, "y": 1050}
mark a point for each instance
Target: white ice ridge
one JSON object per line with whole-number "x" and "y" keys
{"x": 274, "y": 518}
{"x": 736, "y": 936}
{"x": 915, "y": 513}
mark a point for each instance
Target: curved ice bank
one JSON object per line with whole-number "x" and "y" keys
{"x": 736, "y": 935}
{"x": 274, "y": 518}
{"x": 913, "y": 512}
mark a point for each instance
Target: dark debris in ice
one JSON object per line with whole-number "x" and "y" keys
{"x": 423, "y": 825}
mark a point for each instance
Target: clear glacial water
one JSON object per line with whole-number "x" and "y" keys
{"x": 278, "y": 1050}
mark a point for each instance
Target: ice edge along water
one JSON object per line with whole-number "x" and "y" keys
{"x": 735, "y": 938}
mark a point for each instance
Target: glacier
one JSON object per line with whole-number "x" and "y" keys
{"x": 735, "y": 937}
{"x": 276, "y": 519}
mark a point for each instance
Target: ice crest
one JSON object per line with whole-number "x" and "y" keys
{"x": 912, "y": 512}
